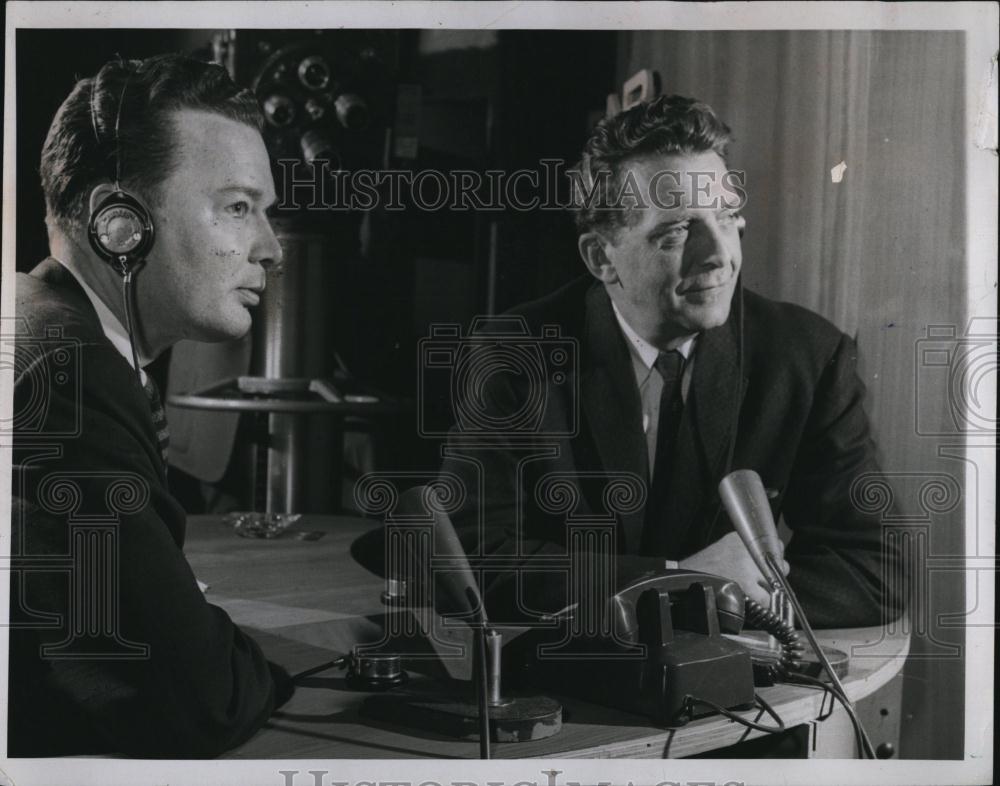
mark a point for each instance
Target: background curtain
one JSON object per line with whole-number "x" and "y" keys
{"x": 881, "y": 254}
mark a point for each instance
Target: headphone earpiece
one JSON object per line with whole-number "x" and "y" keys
{"x": 121, "y": 230}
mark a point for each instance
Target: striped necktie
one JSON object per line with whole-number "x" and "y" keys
{"x": 159, "y": 418}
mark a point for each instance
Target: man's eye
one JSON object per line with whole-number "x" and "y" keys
{"x": 239, "y": 209}
{"x": 674, "y": 235}
{"x": 730, "y": 217}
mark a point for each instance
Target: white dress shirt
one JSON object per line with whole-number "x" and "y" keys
{"x": 649, "y": 381}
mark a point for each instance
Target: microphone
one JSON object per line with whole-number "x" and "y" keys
{"x": 745, "y": 501}
{"x": 460, "y": 586}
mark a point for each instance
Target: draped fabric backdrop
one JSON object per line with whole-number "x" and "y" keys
{"x": 881, "y": 253}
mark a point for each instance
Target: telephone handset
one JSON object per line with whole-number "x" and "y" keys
{"x": 727, "y": 595}
{"x": 659, "y": 649}
{"x": 735, "y": 612}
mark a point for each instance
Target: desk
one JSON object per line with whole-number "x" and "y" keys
{"x": 306, "y": 601}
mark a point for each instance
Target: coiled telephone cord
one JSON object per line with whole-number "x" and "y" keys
{"x": 791, "y": 649}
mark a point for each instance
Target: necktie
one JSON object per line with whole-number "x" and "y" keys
{"x": 159, "y": 418}
{"x": 670, "y": 366}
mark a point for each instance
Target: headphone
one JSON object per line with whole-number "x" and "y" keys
{"x": 120, "y": 229}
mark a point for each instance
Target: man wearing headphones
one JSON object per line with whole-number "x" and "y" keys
{"x": 680, "y": 378}
{"x": 156, "y": 183}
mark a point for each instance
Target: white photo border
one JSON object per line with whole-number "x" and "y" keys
{"x": 978, "y": 20}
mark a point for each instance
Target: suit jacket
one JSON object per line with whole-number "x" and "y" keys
{"x": 113, "y": 648}
{"x": 788, "y": 405}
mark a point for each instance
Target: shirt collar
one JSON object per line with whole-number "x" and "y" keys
{"x": 112, "y": 327}
{"x": 642, "y": 349}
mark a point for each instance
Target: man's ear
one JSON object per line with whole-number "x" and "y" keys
{"x": 99, "y": 193}
{"x": 591, "y": 246}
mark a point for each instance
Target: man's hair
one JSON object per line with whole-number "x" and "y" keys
{"x": 668, "y": 125}
{"x": 80, "y": 149}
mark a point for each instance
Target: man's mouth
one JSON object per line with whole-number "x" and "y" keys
{"x": 702, "y": 286}
{"x": 251, "y": 295}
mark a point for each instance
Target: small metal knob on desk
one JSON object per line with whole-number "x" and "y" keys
{"x": 394, "y": 593}
{"x": 376, "y": 671}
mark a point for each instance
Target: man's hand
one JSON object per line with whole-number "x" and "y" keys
{"x": 728, "y": 557}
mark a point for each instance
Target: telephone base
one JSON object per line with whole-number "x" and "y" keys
{"x": 658, "y": 684}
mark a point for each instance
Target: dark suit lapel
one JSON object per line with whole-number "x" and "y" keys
{"x": 611, "y": 401}
{"x": 703, "y": 440}
{"x": 718, "y": 392}
{"x": 55, "y": 275}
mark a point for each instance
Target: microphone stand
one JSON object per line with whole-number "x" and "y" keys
{"x": 482, "y": 677}
{"x": 513, "y": 719}
{"x": 742, "y": 494}
{"x": 772, "y": 563}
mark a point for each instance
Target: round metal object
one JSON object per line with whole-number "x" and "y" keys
{"x": 394, "y": 593}
{"x": 314, "y": 72}
{"x": 376, "y": 671}
{"x": 279, "y": 111}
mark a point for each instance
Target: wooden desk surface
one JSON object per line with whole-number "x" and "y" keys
{"x": 307, "y": 601}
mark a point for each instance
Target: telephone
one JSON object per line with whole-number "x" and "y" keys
{"x": 660, "y": 650}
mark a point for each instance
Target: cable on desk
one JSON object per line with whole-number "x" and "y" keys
{"x": 670, "y": 741}
{"x": 861, "y": 739}
{"x": 337, "y": 663}
{"x": 759, "y": 702}
{"x": 806, "y": 681}
{"x": 746, "y": 731}
{"x": 810, "y": 682}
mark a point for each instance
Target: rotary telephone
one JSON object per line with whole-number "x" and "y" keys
{"x": 663, "y": 649}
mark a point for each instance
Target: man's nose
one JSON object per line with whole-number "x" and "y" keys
{"x": 266, "y": 251}
{"x": 709, "y": 247}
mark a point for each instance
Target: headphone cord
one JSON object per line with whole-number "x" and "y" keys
{"x": 127, "y": 294}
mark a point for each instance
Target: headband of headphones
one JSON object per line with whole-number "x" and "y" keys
{"x": 120, "y": 228}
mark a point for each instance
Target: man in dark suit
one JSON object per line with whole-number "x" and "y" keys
{"x": 114, "y": 648}
{"x": 679, "y": 377}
